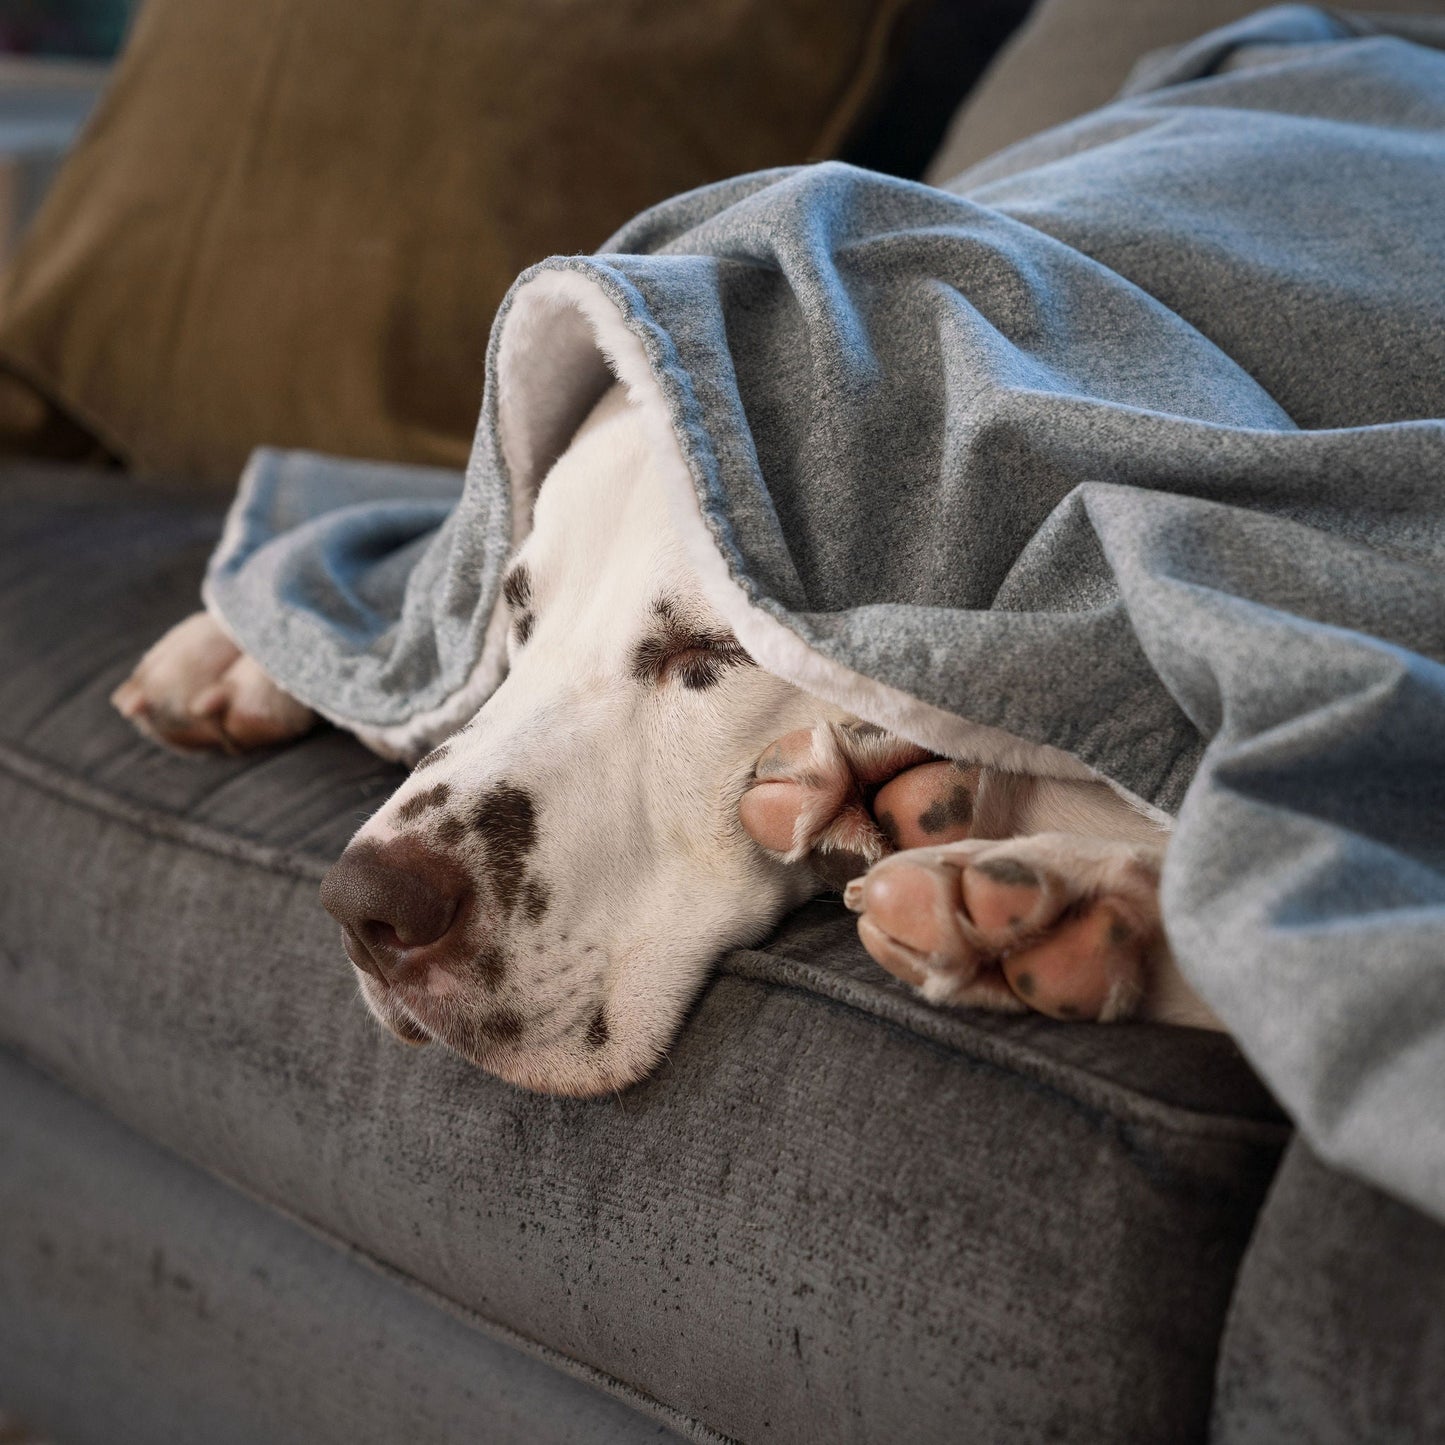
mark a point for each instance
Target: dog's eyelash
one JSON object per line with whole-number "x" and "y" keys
{"x": 695, "y": 667}
{"x": 695, "y": 659}
{"x": 699, "y": 668}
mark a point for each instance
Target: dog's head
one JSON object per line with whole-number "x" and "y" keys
{"x": 546, "y": 892}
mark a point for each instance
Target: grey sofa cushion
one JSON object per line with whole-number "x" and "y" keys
{"x": 835, "y": 1214}
{"x": 1337, "y": 1330}
{"x": 142, "y": 1303}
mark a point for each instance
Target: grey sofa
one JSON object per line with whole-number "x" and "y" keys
{"x": 233, "y": 1210}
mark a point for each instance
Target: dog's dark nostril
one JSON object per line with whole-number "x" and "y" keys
{"x": 392, "y": 900}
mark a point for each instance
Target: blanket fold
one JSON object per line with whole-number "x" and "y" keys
{"x": 1121, "y": 456}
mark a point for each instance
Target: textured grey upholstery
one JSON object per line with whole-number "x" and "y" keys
{"x": 156, "y": 1304}
{"x": 835, "y": 1214}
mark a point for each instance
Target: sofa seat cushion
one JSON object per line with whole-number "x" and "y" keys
{"x": 145, "y": 1303}
{"x": 834, "y": 1214}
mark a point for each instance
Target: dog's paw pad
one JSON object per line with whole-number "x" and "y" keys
{"x": 927, "y": 805}
{"x": 814, "y": 794}
{"x": 1091, "y": 966}
{"x": 1057, "y": 925}
{"x": 1007, "y": 899}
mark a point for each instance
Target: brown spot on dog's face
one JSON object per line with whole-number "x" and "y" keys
{"x": 598, "y": 1030}
{"x": 435, "y": 756}
{"x": 695, "y": 657}
{"x": 522, "y": 628}
{"x": 505, "y": 1026}
{"x": 490, "y": 965}
{"x": 423, "y": 803}
{"x": 1024, "y": 985}
{"x": 535, "y": 898}
{"x": 506, "y": 818}
{"x": 452, "y": 829}
{"x": 948, "y": 812}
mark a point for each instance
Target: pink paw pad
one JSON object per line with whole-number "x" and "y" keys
{"x": 846, "y": 795}
{"x": 1001, "y": 929}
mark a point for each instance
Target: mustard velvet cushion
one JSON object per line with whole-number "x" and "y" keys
{"x": 290, "y": 221}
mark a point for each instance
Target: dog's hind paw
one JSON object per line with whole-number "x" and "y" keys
{"x": 1067, "y": 926}
{"x": 196, "y": 691}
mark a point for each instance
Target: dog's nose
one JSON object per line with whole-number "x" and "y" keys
{"x": 393, "y": 902}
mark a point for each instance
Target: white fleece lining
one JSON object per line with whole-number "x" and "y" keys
{"x": 551, "y": 371}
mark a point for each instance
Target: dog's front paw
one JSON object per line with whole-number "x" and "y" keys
{"x": 844, "y": 795}
{"x": 196, "y": 691}
{"x": 1067, "y": 926}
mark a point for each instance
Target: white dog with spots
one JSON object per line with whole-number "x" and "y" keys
{"x": 547, "y": 891}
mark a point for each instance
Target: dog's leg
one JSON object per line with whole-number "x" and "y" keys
{"x": 196, "y": 691}
{"x": 961, "y": 892}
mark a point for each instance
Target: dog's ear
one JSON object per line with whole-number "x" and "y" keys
{"x": 812, "y": 794}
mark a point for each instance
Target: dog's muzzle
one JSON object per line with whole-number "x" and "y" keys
{"x": 400, "y": 906}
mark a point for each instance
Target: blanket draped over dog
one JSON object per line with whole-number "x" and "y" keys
{"x": 1128, "y": 444}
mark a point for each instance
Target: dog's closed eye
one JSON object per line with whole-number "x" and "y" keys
{"x": 693, "y": 656}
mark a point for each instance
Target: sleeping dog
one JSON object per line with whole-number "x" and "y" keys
{"x": 547, "y": 890}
